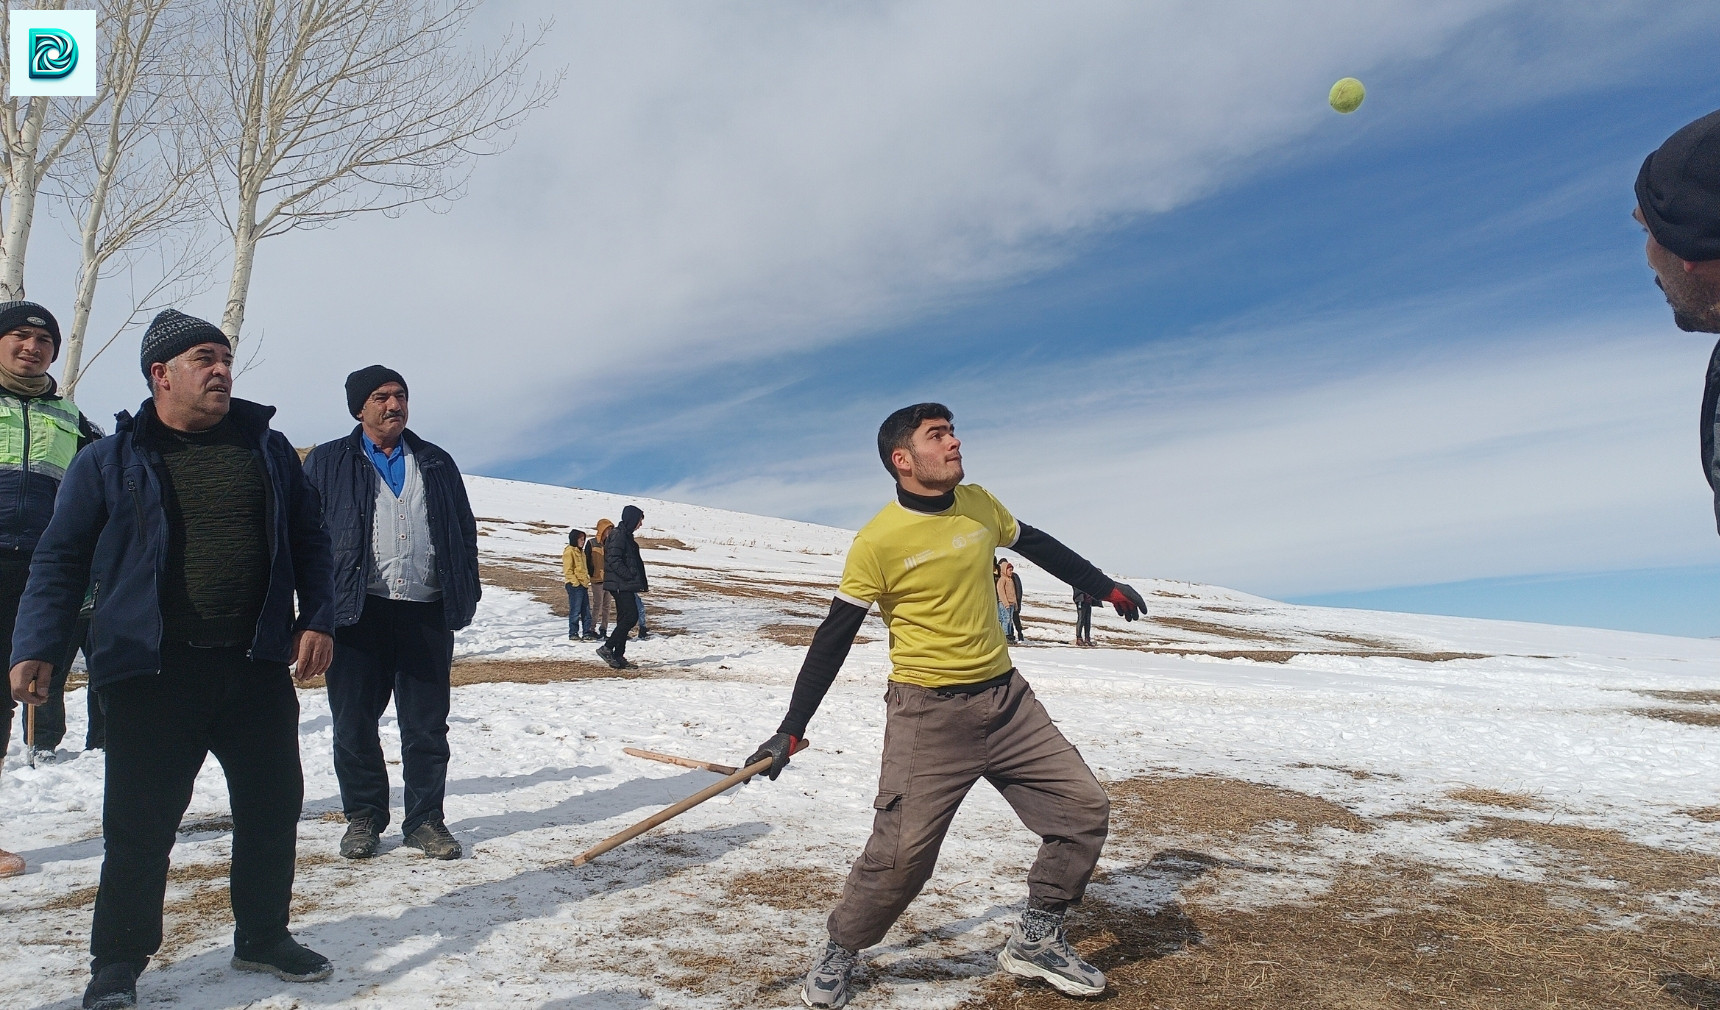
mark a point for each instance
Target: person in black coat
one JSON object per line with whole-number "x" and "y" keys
{"x": 624, "y": 577}
{"x": 406, "y": 579}
{"x": 196, "y": 529}
{"x": 1678, "y": 205}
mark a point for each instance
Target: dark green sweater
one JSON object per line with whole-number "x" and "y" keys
{"x": 217, "y": 537}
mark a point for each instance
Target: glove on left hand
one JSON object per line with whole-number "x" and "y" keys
{"x": 1128, "y": 602}
{"x": 777, "y": 748}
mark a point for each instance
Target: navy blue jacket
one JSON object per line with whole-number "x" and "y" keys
{"x": 623, "y": 569}
{"x": 346, "y": 479}
{"x": 26, "y": 495}
{"x": 109, "y": 535}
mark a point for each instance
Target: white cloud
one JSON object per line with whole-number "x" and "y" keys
{"x": 720, "y": 181}
{"x": 1535, "y": 452}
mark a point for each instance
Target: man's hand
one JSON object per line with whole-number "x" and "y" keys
{"x": 1129, "y": 604}
{"x": 30, "y": 681}
{"x": 777, "y": 748}
{"x": 313, "y": 651}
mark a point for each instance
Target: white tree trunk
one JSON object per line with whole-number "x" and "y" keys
{"x": 21, "y": 202}
{"x": 239, "y": 285}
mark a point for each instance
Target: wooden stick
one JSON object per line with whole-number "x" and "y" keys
{"x": 30, "y": 733}
{"x": 676, "y": 809}
{"x": 671, "y": 759}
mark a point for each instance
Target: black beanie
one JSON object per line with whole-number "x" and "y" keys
{"x": 16, "y": 314}
{"x": 172, "y": 333}
{"x": 1678, "y": 190}
{"x": 367, "y": 380}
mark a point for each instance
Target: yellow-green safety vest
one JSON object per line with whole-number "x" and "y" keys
{"x": 38, "y": 434}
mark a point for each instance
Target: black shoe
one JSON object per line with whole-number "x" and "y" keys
{"x": 360, "y": 840}
{"x": 589, "y": 638}
{"x": 434, "y": 840}
{"x": 114, "y": 986}
{"x": 286, "y": 959}
{"x": 615, "y": 662}
{"x": 643, "y": 634}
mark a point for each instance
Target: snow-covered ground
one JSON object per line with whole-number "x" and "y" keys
{"x": 1382, "y": 713}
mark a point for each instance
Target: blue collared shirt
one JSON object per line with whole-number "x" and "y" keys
{"x": 391, "y": 467}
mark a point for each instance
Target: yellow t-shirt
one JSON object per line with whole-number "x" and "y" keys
{"x": 931, "y": 578}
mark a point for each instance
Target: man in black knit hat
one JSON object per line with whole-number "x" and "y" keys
{"x": 406, "y": 579}
{"x": 1678, "y": 205}
{"x": 197, "y": 530}
{"x": 42, "y": 432}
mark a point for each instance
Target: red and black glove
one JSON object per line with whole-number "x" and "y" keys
{"x": 777, "y": 748}
{"x": 1129, "y": 604}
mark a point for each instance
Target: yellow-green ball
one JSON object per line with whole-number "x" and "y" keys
{"x": 1347, "y": 95}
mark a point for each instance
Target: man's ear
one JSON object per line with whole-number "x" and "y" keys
{"x": 902, "y": 461}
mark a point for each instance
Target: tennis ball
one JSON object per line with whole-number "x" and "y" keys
{"x": 1347, "y": 95}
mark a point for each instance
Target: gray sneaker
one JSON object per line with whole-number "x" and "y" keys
{"x": 434, "y": 840}
{"x": 1039, "y": 948}
{"x": 827, "y": 982}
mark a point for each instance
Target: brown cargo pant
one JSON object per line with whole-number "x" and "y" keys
{"x": 937, "y": 744}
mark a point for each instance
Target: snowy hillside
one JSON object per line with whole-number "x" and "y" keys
{"x": 1311, "y": 807}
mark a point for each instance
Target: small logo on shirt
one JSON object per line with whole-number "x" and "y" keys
{"x": 919, "y": 559}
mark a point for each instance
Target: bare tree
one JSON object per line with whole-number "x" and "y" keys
{"x": 330, "y": 108}
{"x": 34, "y": 133}
{"x": 131, "y": 177}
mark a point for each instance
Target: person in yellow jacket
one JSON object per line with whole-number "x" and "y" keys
{"x": 600, "y": 598}
{"x": 573, "y": 572}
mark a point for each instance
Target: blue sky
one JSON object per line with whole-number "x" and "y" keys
{"x": 1190, "y": 320}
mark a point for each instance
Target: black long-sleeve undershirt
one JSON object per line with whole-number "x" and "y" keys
{"x": 833, "y": 639}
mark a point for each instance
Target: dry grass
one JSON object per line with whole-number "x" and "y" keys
{"x": 537, "y": 672}
{"x": 1214, "y": 807}
{"x": 544, "y": 586}
{"x": 1195, "y": 627}
{"x": 1687, "y": 697}
{"x": 1706, "y": 815}
{"x": 1608, "y": 855}
{"x": 1364, "y": 642}
{"x": 1494, "y": 798}
{"x": 793, "y": 888}
{"x": 1359, "y": 774}
{"x": 798, "y": 635}
{"x": 80, "y": 898}
{"x": 1286, "y": 655}
{"x": 1384, "y": 938}
{"x": 1391, "y": 935}
{"x": 663, "y": 544}
{"x": 1689, "y": 717}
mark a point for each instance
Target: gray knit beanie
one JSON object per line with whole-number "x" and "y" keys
{"x": 172, "y": 333}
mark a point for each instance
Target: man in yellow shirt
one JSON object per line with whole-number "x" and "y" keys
{"x": 578, "y": 588}
{"x": 957, "y": 711}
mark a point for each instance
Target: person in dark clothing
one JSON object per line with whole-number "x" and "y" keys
{"x": 1678, "y": 205}
{"x": 42, "y": 432}
{"x": 624, "y": 577}
{"x": 956, "y": 708}
{"x": 195, "y": 530}
{"x": 406, "y": 554}
{"x": 1083, "y": 618}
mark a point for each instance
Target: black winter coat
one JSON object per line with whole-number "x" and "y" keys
{"x": 346, "y": 478}
{"x": 109, "y": 532}
{"x": 623, "y": 569}
{"x": 1710, "y": 426}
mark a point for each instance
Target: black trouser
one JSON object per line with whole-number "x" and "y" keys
{"x": 1083, "y": 622}
{"x": 51, "y": 717}
{"x": 626, "y": 616}
{"x": 160, "y": 729}
{"x": 14, "y": 572}
{"x": 402, "y": 649}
